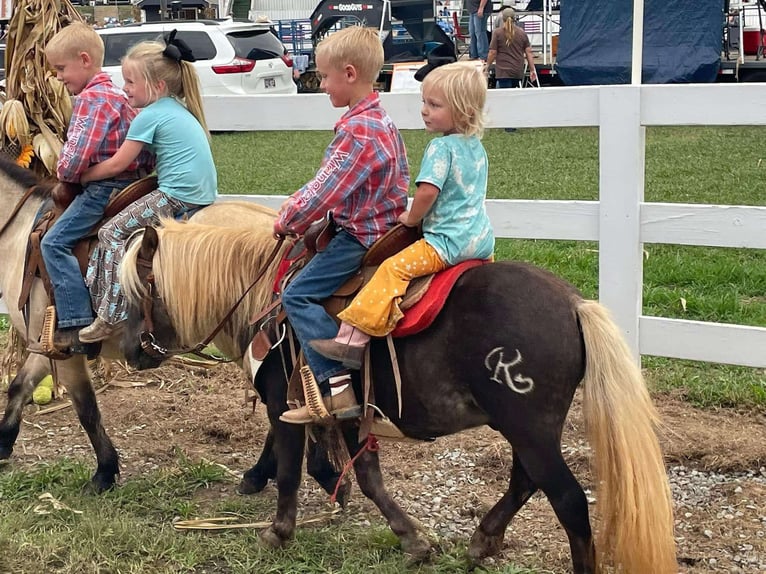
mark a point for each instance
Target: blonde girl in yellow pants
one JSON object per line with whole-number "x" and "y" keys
{"x": 449, "y": 202}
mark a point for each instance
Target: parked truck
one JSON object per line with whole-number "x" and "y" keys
{"x": 408, "y": 30}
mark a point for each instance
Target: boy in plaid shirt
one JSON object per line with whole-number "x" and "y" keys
{"x": 363, "y": 181}
{"x": 99, "y": 123}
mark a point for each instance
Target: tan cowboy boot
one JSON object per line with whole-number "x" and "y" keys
{"x": 340, "y": 403}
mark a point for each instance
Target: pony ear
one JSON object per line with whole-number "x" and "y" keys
{"x": 149, "y": 243}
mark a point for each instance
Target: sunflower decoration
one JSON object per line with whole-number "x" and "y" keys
{"x": 36, "y": 109}
{"x": 25, "y": 156}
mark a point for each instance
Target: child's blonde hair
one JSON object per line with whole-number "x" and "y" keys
{"x": 180, "y": 77}
{"x": 356, "y": 45}
{"x": 74, "y": 39}
{"x": 465, "y": 89}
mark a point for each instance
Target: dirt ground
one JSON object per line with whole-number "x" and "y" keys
{"x": 716, "y": 461}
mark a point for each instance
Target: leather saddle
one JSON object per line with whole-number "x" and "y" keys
{"x": 62, "y": 194}
{"x": 314, "y": 241}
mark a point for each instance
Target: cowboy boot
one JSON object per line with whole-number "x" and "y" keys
{"x": 340, "y": 404}
{"x": 347, "y": 347}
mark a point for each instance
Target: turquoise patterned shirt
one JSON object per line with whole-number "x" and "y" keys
{"x": 457, "y": 225}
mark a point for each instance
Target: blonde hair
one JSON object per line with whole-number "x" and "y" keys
{"x": 465, "y": 89}
{"x": 508, "y": 25}
{"x": 356, "y": 45}
{"x": 180, "y": 77}
{"x": 74, "y": 39}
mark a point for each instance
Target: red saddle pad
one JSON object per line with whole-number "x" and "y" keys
{"x": 422, "y": 314}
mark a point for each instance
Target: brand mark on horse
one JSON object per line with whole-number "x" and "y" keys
{"x": 502, "y": 374}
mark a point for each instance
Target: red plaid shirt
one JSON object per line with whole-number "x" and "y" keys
{"x": 99, "y": 124}
{"x": 363, "y": 178}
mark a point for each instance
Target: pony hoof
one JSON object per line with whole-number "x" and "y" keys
{"x": 100, "y": 483}
{"x": 5, "y": 452}
{"x": 344, "y": 494}
{"x": 248, "y": 486}
{"x": 483, "y": 545}
{"x": 417, "y": 549}
{"x": 270, "y": 537}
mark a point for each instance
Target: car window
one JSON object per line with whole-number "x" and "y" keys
{"x": 256, "y": 44}
{"x": 117, "y": 45}
{"x": 201, "y": 45}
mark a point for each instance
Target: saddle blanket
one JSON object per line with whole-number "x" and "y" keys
{"x": 422, "y": 314}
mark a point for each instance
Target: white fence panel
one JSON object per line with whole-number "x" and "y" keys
{"x": 621, "y": 221}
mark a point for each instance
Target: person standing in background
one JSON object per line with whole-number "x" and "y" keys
{"x": 509, "y": 47}
{"x": 477, "y": 29}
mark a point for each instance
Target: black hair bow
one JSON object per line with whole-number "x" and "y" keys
{"x": 439, "y": 56}
{"x": 176, "y": 49}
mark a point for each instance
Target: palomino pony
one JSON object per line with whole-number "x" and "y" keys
{"x": 73, "y": 373}
{"x": 508, "y": 350}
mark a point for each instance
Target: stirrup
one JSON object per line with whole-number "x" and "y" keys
{"x": 313, "y": 396}
{"x": 49, "y": 331}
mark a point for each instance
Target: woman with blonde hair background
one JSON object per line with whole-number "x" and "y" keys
{"x": 508, "y": 48}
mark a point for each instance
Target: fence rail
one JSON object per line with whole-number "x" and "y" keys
{"x": 621, "y": 221}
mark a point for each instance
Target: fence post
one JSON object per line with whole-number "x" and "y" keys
{"x": 622, "y": 147}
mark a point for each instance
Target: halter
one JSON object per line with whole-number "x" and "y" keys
{"x": 149, "y": 343}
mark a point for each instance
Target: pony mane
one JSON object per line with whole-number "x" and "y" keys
{"x": 200, "y": 272}
{"x": 21, "y": 175}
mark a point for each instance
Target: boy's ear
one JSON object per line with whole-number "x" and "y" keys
{"x": 351, "y": 73}
{"x": 86, "y": 59}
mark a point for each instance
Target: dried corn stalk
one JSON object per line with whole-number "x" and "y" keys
{"x": 35, "y": 115}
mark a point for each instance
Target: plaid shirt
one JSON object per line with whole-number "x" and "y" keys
{"x": 99, "y": 124}
{"x": 363, "y": 178}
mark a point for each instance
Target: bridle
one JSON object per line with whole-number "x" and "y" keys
{"x": 149, "y": 343}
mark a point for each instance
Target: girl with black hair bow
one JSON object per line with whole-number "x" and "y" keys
{"x": 160, "y": 79}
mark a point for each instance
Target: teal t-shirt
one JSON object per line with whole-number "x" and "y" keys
{"x": 185, "y": 168}
{"x": 457, "y": 225}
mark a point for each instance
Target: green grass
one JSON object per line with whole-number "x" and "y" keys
{"x": 130, "y": 529}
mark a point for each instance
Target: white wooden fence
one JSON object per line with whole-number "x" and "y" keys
{"x": 621, "y": 221}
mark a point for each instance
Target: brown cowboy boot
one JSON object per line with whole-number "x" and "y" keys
{"x": 347, "y": 347}
{"x": 340, "y": 403}
{"x": 350, "y": 355}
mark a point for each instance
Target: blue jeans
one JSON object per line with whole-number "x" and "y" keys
{"x": 302, "y": 300}
{"x": 501, "y": 83}
{"x": 477, "y": 30}
{"x": 69, "y": 291}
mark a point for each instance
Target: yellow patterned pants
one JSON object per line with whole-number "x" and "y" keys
{"x": 375, "y": 309}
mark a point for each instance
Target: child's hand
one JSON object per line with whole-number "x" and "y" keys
{"x": 404, "y": 219}
{"x": 278, "y": 232}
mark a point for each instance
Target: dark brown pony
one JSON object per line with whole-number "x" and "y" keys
{"x": 509, "y": 349}
{"x": 73, "y": 373}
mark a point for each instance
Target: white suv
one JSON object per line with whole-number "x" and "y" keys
{"x": 232, "y": 57}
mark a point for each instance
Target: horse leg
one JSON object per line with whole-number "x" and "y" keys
{"x": 321, "y": 469}
{"x": 76, "y": 378}
{"x": 255, "y": 479}
{"x": 370, "y": 480}
{"x": 289, "y": 443}
{"x": 546, "y": 468}
{"x": 488, "y": 538}
{"x": 19, "y": 394}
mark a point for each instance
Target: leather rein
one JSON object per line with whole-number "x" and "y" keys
{"x": 148, "y": 340}
{"x": 27, "y": 194}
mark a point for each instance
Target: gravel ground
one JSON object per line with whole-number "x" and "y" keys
{"x": 716, "y": 465}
